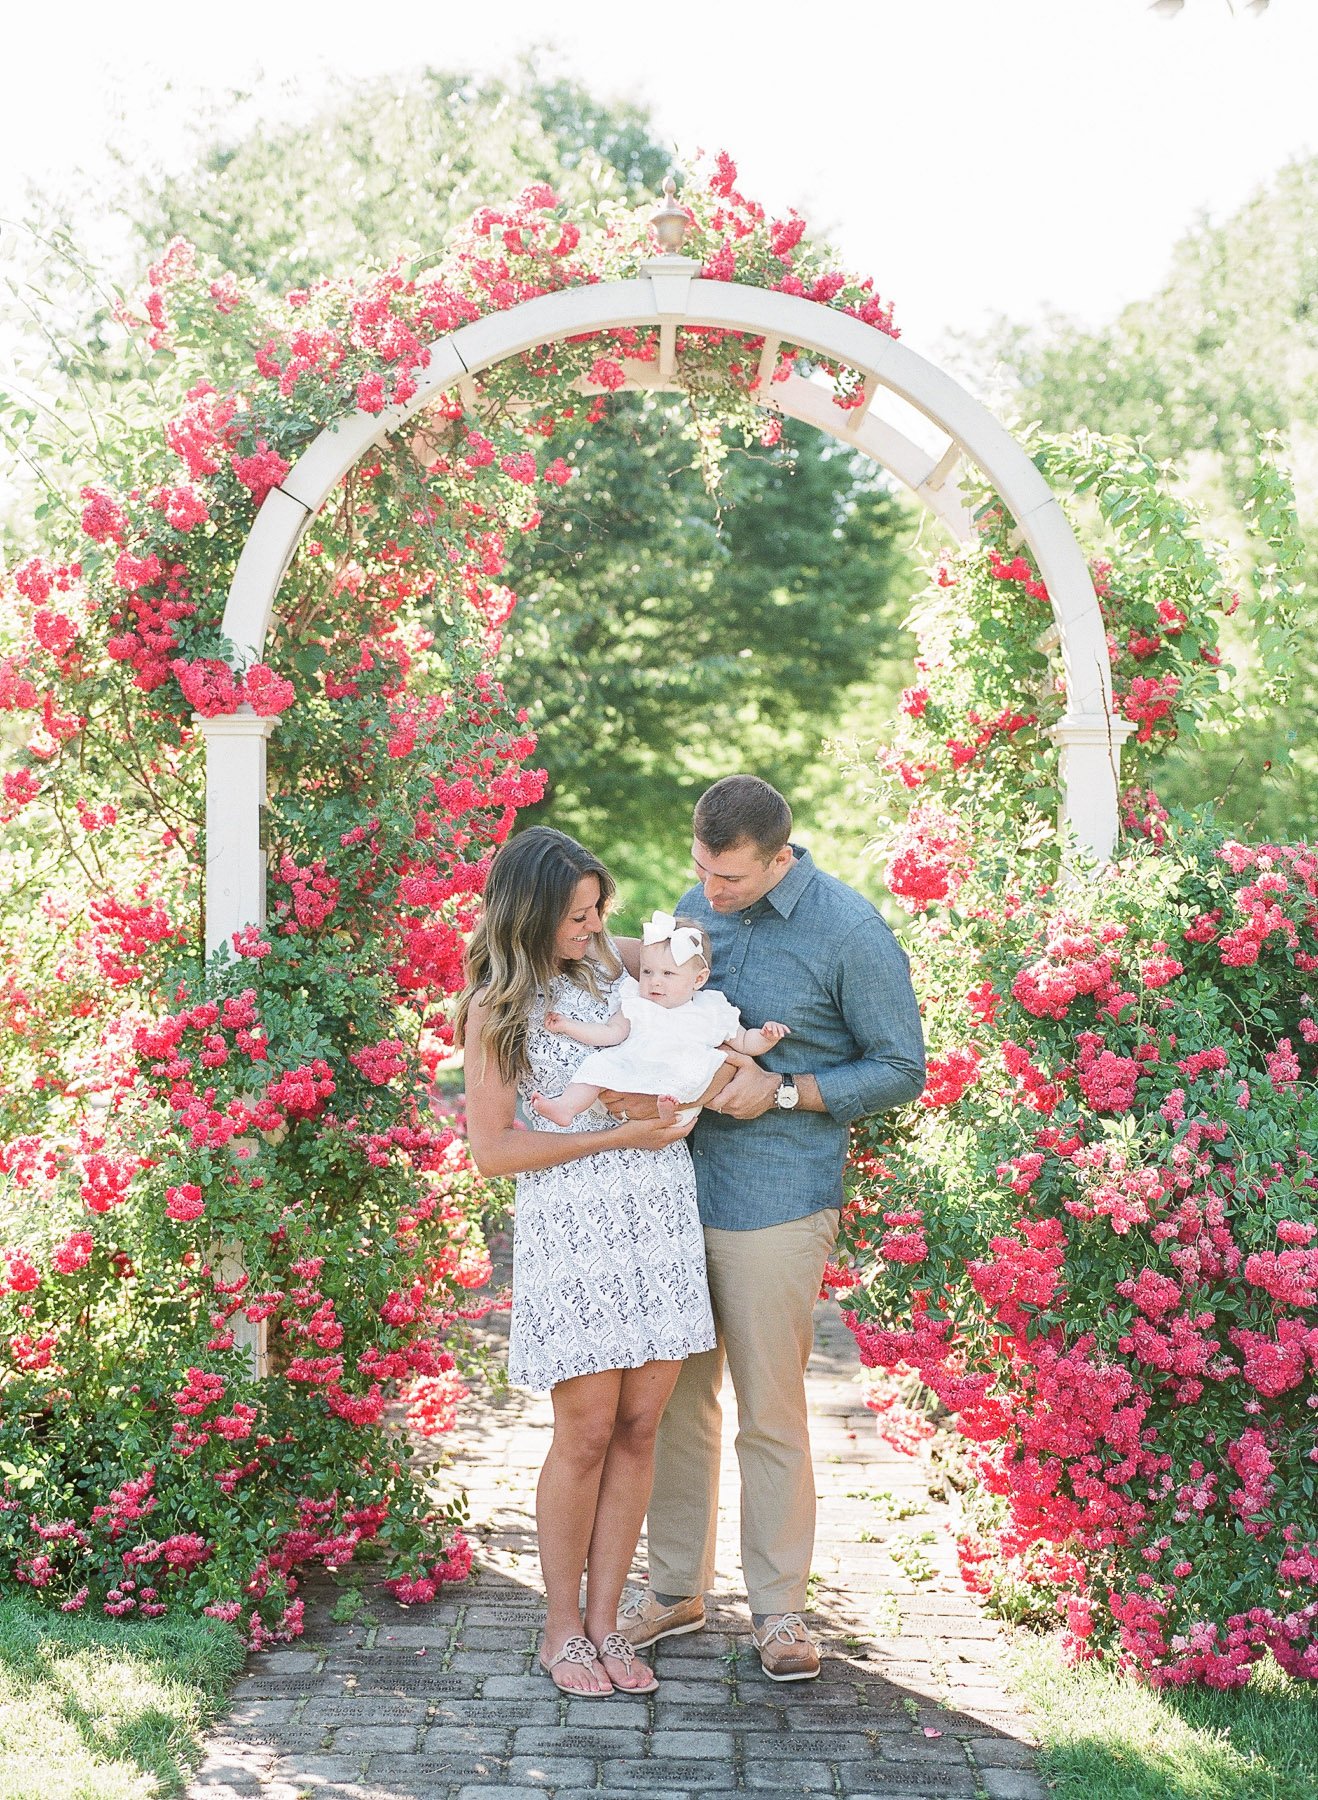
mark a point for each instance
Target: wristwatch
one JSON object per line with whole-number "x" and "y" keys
{"x": 788, "y": 1095}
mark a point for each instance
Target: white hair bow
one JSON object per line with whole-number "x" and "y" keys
{"x": 681, "y": 939}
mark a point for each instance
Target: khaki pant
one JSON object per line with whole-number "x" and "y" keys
{"x": 764, "y": 1285}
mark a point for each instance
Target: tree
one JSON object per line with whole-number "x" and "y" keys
{"x": 1226, "y": 349}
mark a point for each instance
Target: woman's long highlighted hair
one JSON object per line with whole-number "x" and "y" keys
{"x": 511, "y": 958}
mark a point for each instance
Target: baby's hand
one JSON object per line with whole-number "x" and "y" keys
{"x": 774, "y": 1031}
{"x": 554, "y": 1021}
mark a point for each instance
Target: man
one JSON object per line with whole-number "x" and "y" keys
{"x": 789, "y": 943}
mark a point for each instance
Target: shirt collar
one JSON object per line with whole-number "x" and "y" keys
{"x": 784, "y": 896}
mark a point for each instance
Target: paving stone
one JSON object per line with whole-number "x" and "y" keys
{"x": 362, "y": 1709}
{"x": 610, "y": 1710}
{"x": 685, "y": 1744}
{"x": 289, "y": 1662}
{"x": 930, "y": 1752}
{"x": 498, "y": 1714}
{"x": 597, "y": 1745}
{"x": 551, "y": 1771}
{"x": 659, "y": 1793}
{"x": 780, "y": 1777}
{"x": 863, "y": 1779}
{"x": 501, "y": 1791}
{"x": 435, "y": 1773}
{"x": 486, "y": 1662}
{"x": 1013, "y": 1784}
{"x": 321, "y": 1771}
{"x": 508, "y": 1687}
{"x": 704, "y": 1778}
{"x": 698, "y": 1693}
{"x": 350, "y": 1740}
{"x": 427, "y": 1637}
{"x": 235, "y": 1762}
{"x": 1002, "y": 1753}
{"x": 496, "y": 1638}
{"x": 742, "y": 1717}
{"x": 261, "y": 1712}
{"x": 510, "y": 1617}
{"x": 784, "y": 1745}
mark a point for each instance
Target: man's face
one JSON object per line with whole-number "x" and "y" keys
{"x": 735, "y": 879}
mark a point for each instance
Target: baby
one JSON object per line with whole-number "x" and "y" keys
{"x": 667, "y": 1037}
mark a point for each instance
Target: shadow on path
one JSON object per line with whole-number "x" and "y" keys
{"x": 440, "y": 1702}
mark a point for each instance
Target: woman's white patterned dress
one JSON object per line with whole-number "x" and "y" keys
{"x": 608, "y": 1252}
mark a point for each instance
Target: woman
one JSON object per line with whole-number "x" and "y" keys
{"x": 609, "y": 1291}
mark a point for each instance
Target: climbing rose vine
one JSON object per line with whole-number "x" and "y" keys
{"x": 1095, "y": 1237}
{"x": 196, "y": 1155}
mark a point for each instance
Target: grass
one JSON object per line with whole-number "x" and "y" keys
{"x": 94, "y": 1710}
{"x": 1110, "y": 1739}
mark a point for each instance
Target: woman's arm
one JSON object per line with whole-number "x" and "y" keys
{"x": 629, "y": 949}
{"x": 600, "y": 1033}
{"x": 499, "y": 1147}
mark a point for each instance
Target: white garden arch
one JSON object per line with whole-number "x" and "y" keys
{"x": 668, "y": 293}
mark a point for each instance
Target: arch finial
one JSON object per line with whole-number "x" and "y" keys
{"x": 670, "y": 220}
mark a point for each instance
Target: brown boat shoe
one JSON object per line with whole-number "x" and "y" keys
{"x": 787, "y": 1651}
{"x": 643, "y": 1620}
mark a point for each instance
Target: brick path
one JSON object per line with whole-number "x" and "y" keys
{"x": 437, "y": 1702}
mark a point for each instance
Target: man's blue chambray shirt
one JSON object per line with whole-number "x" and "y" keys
{"x": 815, "y": 955}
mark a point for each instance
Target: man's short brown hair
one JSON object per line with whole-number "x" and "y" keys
{"x": 742, "y": 807}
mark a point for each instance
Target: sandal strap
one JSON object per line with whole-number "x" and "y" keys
{"x": 576, "y": 1650}
{"x": 616, "y": 1645}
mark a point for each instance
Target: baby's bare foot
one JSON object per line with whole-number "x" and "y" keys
{"x": 553, "y": 1110}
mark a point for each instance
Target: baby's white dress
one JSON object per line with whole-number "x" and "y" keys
{"x": 669, "y": 1049}
{"x": 608, "y": 1252}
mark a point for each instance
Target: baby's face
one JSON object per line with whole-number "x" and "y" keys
{"x": 668, "y": 983}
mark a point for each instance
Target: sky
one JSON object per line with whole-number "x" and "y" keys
{"x": 978, "y": 157}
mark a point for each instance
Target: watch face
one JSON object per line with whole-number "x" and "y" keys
{"x": 787, "y": 1095}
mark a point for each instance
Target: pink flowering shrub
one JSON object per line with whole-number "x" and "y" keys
{"x": 1094, "y": 1235}
{"x": 1098, "y": 1244}
{"x": 195, "y": 1156}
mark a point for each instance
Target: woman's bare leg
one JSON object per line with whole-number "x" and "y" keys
{"x": 623, "y": 1495}
{"x": 585, "y": 1410}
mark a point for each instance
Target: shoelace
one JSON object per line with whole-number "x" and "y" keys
{"x": 785, "y": 1631}
{"x": 633, "y": 1603}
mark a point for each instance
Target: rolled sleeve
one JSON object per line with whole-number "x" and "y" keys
{"x": 874, "y": 995}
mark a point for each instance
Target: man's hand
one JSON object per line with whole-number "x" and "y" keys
{"x": 629, "y": 1106}
{"x": 749, "y": 1094}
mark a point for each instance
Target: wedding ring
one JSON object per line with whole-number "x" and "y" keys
{"x": 622, "y": 1115}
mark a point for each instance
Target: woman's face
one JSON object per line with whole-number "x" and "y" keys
{"x": 582, "y": 921}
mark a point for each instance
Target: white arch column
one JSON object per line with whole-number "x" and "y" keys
{"x": 235, "y": 896}
{"x": 235, "y": 798}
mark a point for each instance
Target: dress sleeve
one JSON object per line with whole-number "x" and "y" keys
{"x": 719, "y": 1018}
{"x": 628, "y": 997}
